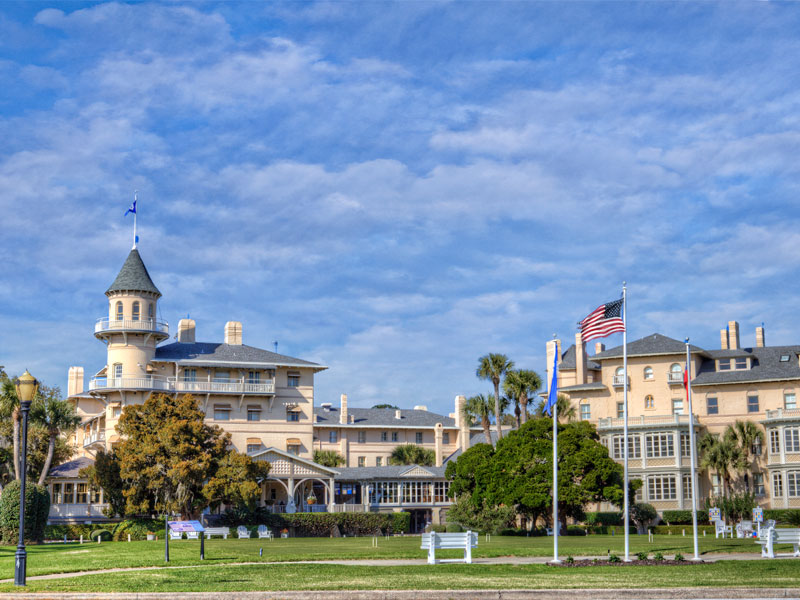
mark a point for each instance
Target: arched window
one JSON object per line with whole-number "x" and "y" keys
{"x": 675, "y": 373}
{"x": 648, "y": 373}
{"x": 119, "y": 311}
{"x": 151, "y": 311}
{"x": 676, "y": 368}
{"x": 649, "y": 402}
{"x": 619, "y": 371}
{"x": 136, "y": 311}
{"x": 117, "y": 371}
{"x": 619, "y": 376}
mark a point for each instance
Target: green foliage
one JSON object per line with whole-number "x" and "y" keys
{"x": 105, "y": 474}
{"x": 569, "y": 559}
{"x": 438, "y": 528}
{"x": 103, "y": 534}
{"x": 604, "y": 518}
{"x": 37, "y": 508}
{"x": 400, "y": 522}
{"x": 779, "y": 515}
{"x": 576, "y": 530}
{"x": 679, "y": 529}
{"x": 734, "y": 507}
{"x": 236, "y": 480}
{"x": 167, "y": 454}
{"x": 521, "y": 385}
{"x": 642, "y": 514}
{"x": 613, "y": 558}
{"x": 328, "y": 458}
{"x": 454, "y": 528}
{"x": 683, "y": 517}
{"x": 484, "y": 517}
{"x": 324, "y": 524}
{"x": 658, "y": 557}
{"x": 57, "y": 418}
{"x": 642, "y": 555}
{"x": 137, "y": 528}
{"x": 679, "y": 557}
{"x": 411, "y": 454}
{"x": 473, "y": 470}
{"x": 388, "y": 406}
{"x": 478, "y": 409}
{"x": 493, "y": 367}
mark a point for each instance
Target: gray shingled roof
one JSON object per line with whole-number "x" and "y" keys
{"x": 212, "y": 352}
{"x": 766, "y": 366}
{"x": 648, "y": 346}
{"x": 382, "y": 417}
{"x": 71, "y": 468}
{"x": 387, "y": 472}
{"x": 583, "y": 386}
{"x": 133, "y": 277}
{"x": 477, "y": 438}
{"x": 568, "y": 360}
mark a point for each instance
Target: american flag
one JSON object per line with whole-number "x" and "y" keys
{"x": 603, "y": 321}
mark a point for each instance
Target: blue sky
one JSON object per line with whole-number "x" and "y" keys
{"x": 395, "y": 189}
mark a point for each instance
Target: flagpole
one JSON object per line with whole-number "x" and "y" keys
{"x": 135, "y": 212}
{"x": 555, "y": 482}
{"x": 688, "y": 376}
{"x": 626, "y": 508}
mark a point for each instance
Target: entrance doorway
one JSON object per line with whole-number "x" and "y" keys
{"x": 420, "y": 518}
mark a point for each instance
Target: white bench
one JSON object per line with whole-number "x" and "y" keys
{"x": 175, "y": 535}
{"x": 264, "y": 532}
{"x": 192, "y": 535}
{"x": 449, "y": 541}
{"x": 721, "y": 529}
{"x": 223, "y": 531}
{"x": 744, "y": 529}
{"x": 771, "y": 536}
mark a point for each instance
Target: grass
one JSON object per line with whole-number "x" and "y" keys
{"x": 281, "y": 577}
{"x": 62, "y": 558}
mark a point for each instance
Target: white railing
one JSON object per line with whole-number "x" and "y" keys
{"x": 612, "y": 422}
{"x": 619, "y": 380}
{"x": 93, "y": 438}
{"x": 106, "y": 324}
{"x": 783, "y": 413}
{"x": 349, "y": 508}
{"x": 675, "y": 377}
{"x": 231, "y": 386}
{"x": 153, "y": 382}
{"x": 65, "y": 511}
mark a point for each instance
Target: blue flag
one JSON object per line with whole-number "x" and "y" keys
{"x": 131, "y": 209}
{"x": 552, "y": 397}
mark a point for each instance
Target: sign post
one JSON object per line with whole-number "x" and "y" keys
{"x": 190, "y": 527}
{"x": 758, "y": 517}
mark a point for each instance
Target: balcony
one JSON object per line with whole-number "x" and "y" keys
{"x": 783, "y": 414}
{"x": 148, "y": 382}
{"x": 96, "y": 437}
{"x": 675, "y": 378}
{"x": 619, "y": 380}
{"x": 643, "y": 421}
{"x": 76, "y": 512}
{"x": 106, "y": 325}
{"x": 224, "y": 386}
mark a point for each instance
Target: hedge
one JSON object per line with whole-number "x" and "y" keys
{"x": 37, "y": 508}
{"x": 606, "y": 519}
{"x": 679, "y": 529}
{"x": 683, "y": 517}
{"x": 784, "y": 516}
{"x": 328, "y": 524}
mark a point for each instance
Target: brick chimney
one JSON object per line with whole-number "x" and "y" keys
{"x": 723, "y": 339}
{"x": 599, "y": 347}
{"x": 437, "y": 437}
{"x": 186, "y": 328}
{"x": 580, "y": 359}
{"x": 461, "y": 423}
{"x": 233, "y": 333}
{"x": 733, "y": 335}
{"x": 343, "y": 410}
{"x": 760, "y": 340}
{"x": 74, "y": 381}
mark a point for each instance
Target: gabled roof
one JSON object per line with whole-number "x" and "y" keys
{"x": 282, "y": 455}
{"x": 216, "y": 354}
{"x": 382, "y": 417}
{"x": 133, "y": 277}
{"x": 651, "y": 345}
{"x": 568, "y": 360}
{"x": 70, "y": 468}
{"x": 388, "y": 472}
{"x": 766, "y": 366}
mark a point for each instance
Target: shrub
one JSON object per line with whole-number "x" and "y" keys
{"x": 575, "y": 530}
{"x": 325, "y": 524}
{"x": 643, "y": 514}
{"x": 454, "y": 528}
{"x": 683, "y": 517}
{"x": 679, "y": 557}
{"x": 137, "y": 528}
{"x": 613, "y": 558}
{"x": 642, "y": 555}
{"x": 658, "y": 557}
{"x": 37, "y": 508}
{"x": 678, "y": 529}
{"x": 438, "y": 528}
{"x": 73, "y": 531}
{"x": 570, "y": 560}
{"x": 102, "y": 534}
{"x": 604, "y": 518}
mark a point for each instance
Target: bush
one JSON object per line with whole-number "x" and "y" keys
{"x": 679, "y": 557}
{"x": 438, "y": 528}
{"x": 73, "y": 531}
{"x": 575, "y": 530}
{"x": 514, "y": 531}
{"x": 613, "y": 558}
{"x": 605, "y": 519}
{"x": 102, "y": 534}
{"x": 137, "y": 528}
{"x": 454, "y": 528}
{"x": 324, "y": 524}
{"x": 643, "y": 514}
{"x": 37, "y": 508}
{"x": 683, "y": 517}
{"x": 678, "y": 529}
{"x": 658, "y": 557}
{"x": 642, "y": 555}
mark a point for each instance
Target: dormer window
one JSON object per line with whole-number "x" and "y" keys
{"x": 724, "y": 364}
{"x": 784, "y": 358}
{"x": 741, "y": 363}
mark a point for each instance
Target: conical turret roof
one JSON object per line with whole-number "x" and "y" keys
{"x": 133, "y": 277}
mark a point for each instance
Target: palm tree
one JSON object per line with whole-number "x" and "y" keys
{"x": 522, "y": 385}
{"x": 411, "y": 454}
{"x": 328, "y": 458}
{"x": 58, "y": 417}
{"x": 478, "y": 408}
{"x": 492, "y": 367}
{"x": 565, "y": 409}
{"x": 9, "y": 407}
{"x": 720, "y": 454}
{"x": 744, "y": 435}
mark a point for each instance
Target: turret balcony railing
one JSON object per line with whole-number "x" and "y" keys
{"x": 170, "y": 384}
{"x": 645, "y": 421}
{"x": 148, "y": 382}
{"x": 104, "y": 325}
{"x": 675, "y": 377}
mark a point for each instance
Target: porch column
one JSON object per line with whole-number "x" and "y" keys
{"x": 365, "y": 496}
{"x": 330, "y": 495}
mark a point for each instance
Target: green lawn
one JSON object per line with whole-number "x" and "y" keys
{"x": 59, "y": 558}
{"x": 278, "y": 577}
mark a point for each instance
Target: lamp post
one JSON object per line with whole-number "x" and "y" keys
{"x": 27, "y": 386}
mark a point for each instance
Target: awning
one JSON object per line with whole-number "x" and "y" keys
{"x": 222, "y": 406}
{"x": 254, "y": 441}
{"x": 293, "y": 441}
{"x": 113, "y": 439}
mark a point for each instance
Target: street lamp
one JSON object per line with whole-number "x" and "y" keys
{"x": 27, "y": 386}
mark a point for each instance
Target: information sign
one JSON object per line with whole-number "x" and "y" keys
{"x": 758, "y": 515}
{"x": 714, "y": 514}
{"x": 184, "y": 526}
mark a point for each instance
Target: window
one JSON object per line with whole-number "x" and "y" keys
{"x": 418, "y": 437}
{"x": 774, "y": 441}
{"x": 777, "y": 485}
{"x": 362, "y": 437}
{"x": 333, "y": 437}
{"x": 384, "y": 436}
{"x": 378, "y": 461}
{"x": 253, "y": 377}
{"x": 648, "y": 373}
{"x": 117, "y": 371}
{"x": 677, "y": 406}
{"x": 675, "y": 373}
{"x": 712, "y": 407}
{"x": 634, "y": 447}
{"x": 222, "y": 412}
{"x": 190, "y": 375}
{"x": 659, "y": 445}
{"x": 789, "y": 401}
{"x": 293, "y": 449}
{"x": 56, "y": 494}
{"x": 394, "y": 436}
{"x": 619, "y": 376}
{"x": 68, "y": 491}
{"x": 253, "y": 413}
{"x": 383, "y": 492}
{"x": 446, "y": 437}
{"x": 221, "y": 376}
{"x": 791, "y": 439}
{"x": 293, "y": 380}
{"x": 151, "y": 311}
{"x": 758, "y": 484}
{"x": 116, "y": 412}
{"x": 686, "y": 482}
{"x": 620, "y": 410}
{"x": 293, "y": 416}
{"x": 253, "y": 448}
{"x": 362, "y": 461}
{"x": 440, "y": 489}
{"x": 81, "y": 495}
{"x": 724, "y": 364}
{"x": 96, "y": 495}
{"x": 586, "y": 412}
{"x": 686, "y": 445}
{"x": 136, "y": 311}
{"x": 716, "y": 486}
{"x": 119, "y": 311}
{"x": 649, "y": 402}
{"x": 661, "y": 487}
{"x": 784, "y": 358}
{"x": 792, "y": 483}
{"x": 740, "y": 363}
{"x": 755, "y": 449}
{"x": 752, "y": 403}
